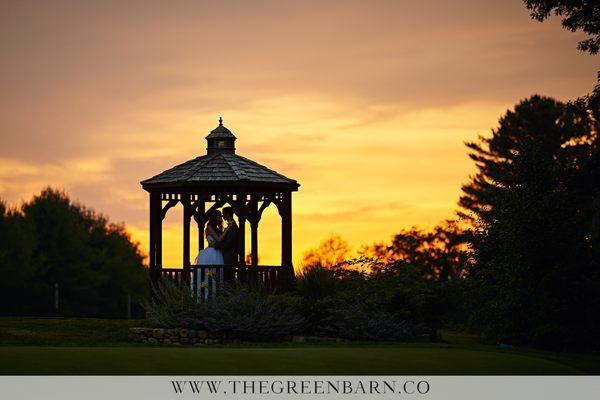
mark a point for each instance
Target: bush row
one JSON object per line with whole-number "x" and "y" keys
{"x": 322, "y": 303}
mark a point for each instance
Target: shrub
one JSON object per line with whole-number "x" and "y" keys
{"x": 326, "y": 302}
{"x": 170, "y": 300}
{"x": 353, "y": 320}
{"x": 316, "y": 282}
{"x": 247, "y": 313}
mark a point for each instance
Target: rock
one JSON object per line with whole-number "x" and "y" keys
{"x": 202, "y": 334}
{"x": 183, "y": 333}
{"x": 158, "y": 333}
{"x": 177, "y": 343}
{"x": 316, "y": 339}
{"x": 192, "y": 333}
{"x": 216, "y": 341}
{"x": 184, "y": 340}
{"x": 152, "y": 341}
{"x": 135, "y": 338}
{"x": 425, "y": 337}
{"x": 173, "y": 332}
{"x": 208, "y": 341}
{"x": 298, "y": 339}
{"x": 139, "y": 331}
{"x": 167, "y": 341}
{"x": 193, "y": 340}
{"x": 199, "y": 344}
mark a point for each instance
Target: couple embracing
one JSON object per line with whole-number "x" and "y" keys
{"x": 222, "y": 243}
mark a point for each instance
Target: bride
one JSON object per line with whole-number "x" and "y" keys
{"x": 213, "y": 233}
{"x": 211, "y": 256}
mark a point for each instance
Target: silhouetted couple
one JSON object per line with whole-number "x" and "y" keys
{"x": 223, "y": 244}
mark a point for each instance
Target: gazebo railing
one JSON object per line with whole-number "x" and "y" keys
{"x": 205, "y": 280}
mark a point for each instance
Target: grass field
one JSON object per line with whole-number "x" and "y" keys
{"x": 89, "y": 346}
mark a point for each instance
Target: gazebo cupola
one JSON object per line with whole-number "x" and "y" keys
{"x": 208, "y": 182}
{"x": 220, "y": 140}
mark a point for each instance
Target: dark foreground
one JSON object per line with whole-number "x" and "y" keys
{"x": 90, "y": 346}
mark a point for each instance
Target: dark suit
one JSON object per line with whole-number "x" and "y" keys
{"x": 229, "y": 245}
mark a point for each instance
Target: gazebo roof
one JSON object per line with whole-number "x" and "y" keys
{"x": 220, "y": 166}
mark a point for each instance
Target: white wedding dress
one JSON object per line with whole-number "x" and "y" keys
{"x": 208, "y": 256}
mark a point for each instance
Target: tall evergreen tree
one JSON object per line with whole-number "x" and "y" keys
{"x": 533, "y": 199}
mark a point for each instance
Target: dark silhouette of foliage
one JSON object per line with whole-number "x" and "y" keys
{"x": 534, "y": 147}
{"x": 441, "y": 253}
{"x": 316, "y": 282}
{"x": 534, "y": 201}
{"x": 408, "y": 298}
{"x": 576, "y": 15}
{"x": 51, "y": 240}
{"x": 248, "y": 313}
{"x": 357, "y": 321}
{"x": 167, "y": 304}
{"x": 18, "y": 264}
{"x": 329, "y": 253}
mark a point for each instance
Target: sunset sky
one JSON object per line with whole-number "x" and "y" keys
{"x": 366, "y": 104}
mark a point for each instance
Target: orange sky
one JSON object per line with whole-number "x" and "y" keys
{"x": 366, "y": 104}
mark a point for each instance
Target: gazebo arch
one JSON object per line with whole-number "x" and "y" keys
{"x": 221, "y": 177}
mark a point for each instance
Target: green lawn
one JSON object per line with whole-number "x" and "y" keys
{"x": 54, "y": 346}
{"x": 67, "y": 332}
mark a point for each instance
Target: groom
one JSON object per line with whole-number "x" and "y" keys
{"x": 229, "y": 245}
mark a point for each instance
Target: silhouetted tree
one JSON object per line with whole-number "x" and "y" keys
{"x": 18, "y": 265}
{"x": 329, "y": 253}
{"x": 441, "y": 253}
{"x": 576, "y": 15}
{"x": 52, "y": 240}
{"x": 535, "y": 200}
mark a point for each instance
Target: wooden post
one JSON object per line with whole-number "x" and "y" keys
{"x": 159, "y": 259}
{"x": 187, "y": 214}
{"x": 200, "y": 218}
{"x": 152, "y": 244}
{"x": 242, "y": 243}
{"x": 286, "y": 236}
{"x": 155, "y": 264}
{"x": 201, "y": 221}
{"x": 254, "y": 234}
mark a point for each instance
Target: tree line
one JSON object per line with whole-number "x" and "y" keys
{"x": 61, "y": 258}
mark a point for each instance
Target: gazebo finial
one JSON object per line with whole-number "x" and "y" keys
{"x": 221, "y": 140}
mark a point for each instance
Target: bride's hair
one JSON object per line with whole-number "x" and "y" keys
{"x": 214, "y": 222}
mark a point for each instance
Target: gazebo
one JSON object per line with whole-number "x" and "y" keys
{"x": 218, "y": 178}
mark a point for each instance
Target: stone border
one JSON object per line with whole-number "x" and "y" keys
{"x": 182, "y": 336}
{"x": 174, "y": 336}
